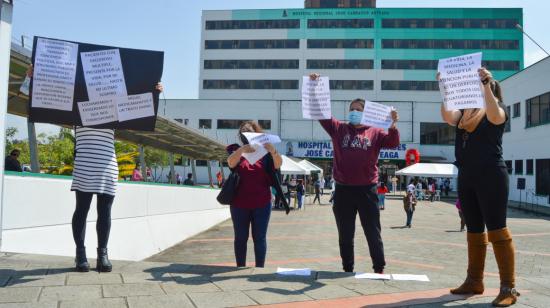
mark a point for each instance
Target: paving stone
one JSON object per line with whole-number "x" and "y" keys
{"x": 30, "y": 305}
{"x": 154, "y": 277}
{"x": 221, "y": 299}
{"x": 330, "y": 291}
{"x": 19, "y": 295}
{"x": 103, "y": 303}
{"x": 167, "y": 301}
{"x": 238, "y": 284}
{"x": 190, "y": 287}
{"x": 135, "y": 289}
{"x": 93, "y": 278}
{"x": 67, "y": 293}
{"x": 275, "y": 296}
{"x": 37, "y": 281}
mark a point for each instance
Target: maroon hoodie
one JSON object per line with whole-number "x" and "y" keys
{"x": 356, "y": 151}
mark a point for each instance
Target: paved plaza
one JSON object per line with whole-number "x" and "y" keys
{"x": 199, "y": 272}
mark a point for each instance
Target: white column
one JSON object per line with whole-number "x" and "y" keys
{"x": 142, "y": 162}
{"x": 6, "y": 9}
{"x": 172, "y": 168}
{"x": 33, "y": 147}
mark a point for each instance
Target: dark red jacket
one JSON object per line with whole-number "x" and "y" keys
{"x": 356, "y": 151}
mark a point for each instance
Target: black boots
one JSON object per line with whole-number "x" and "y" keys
{"x": 80, "y": 260}
{"x": 103, "y": 263}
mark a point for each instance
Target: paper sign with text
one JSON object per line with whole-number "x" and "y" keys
{"x": 459, "y": 82}
{"x": 261, "y": 138}
{"x": 316, "y": 98}
{"x": 377, "y": 115}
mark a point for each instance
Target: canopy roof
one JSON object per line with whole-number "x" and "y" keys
{"x": 291, "y": 167}
{"x": 430, "y": 170}
{"x": 311, "y": 167}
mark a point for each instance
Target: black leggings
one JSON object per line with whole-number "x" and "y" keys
{"x": 483, "y": 194}
{"x": 103, "y": 225}
{"x": 348, "y": 201}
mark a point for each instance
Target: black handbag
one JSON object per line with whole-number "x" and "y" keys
{"x": 229, "y": 189}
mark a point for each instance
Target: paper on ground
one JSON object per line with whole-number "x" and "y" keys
{"x": 316, "y": 98}
{"x": 377, "y": 115}
{"x": 54, "y": 74}
{"x": 261, "y": 138}
{"x": 294, "y": 271}
{"x": 407, "y": 277}
{"x": 373, "y": 276}
{"x": 459, "y": 82}
{"x": 259, "y": 152}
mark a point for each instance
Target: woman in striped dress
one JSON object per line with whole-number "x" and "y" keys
{"x": 95, "y": 172}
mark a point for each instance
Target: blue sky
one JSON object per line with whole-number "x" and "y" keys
{"x": 173, "y": 26}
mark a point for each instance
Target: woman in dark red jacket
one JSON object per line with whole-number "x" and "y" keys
{"x": 251, "y": 205}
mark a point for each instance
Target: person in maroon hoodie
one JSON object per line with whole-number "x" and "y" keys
{"x": 356, "y": 151}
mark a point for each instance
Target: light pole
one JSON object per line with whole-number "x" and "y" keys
{"x": 6, "y": 9}
{"x": 520, "y": 28}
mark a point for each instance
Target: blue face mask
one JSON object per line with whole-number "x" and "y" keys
{"x": 355, "y": 117}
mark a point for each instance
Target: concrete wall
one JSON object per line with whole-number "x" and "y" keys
{"x": 146, "y": 218}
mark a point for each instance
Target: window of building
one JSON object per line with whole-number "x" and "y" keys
{"x": 351, "y": 84}
{"x": 437, "y": 134}
{"x": 252, "y": 44}
{"x": 201, "y": 163}
{"x": 339, "y": 23}
{"x": 265, "y": 124}
{"x": 340, "y": 43}
{"x": 252, "y": 24}
{"x": 251, "y": 64}
{"x": 509, "y": 166}
{"x": 409, "y": 85}
{"x": 517, "y": 110}
{"x": 529, "y": 167}
{"x": 340, "y": 64}
{"x": 230, "y": 124}
{"x": 250, "y": 84}
{"x": 508, "y": 124}
{"x": 205, "y": 123}
{"x": 449, "y": 44}
{"x": 432, "y": 65}
{"x": 518, "y": 167}
{"x": 501, "y": 65}
{"x": 538, "y": 110}
{"x": 543, "y": 177}
{"x": 449, "y": 23}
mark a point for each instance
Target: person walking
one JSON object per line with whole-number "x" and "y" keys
{"x": 323, "y": 183}
{"x": 382, "y": 191}
{"x": 356, "y": 151}
{"x": 300, "y": 193}
{"x": 317, "y": 187}
{"x": 483, "y": 187}
{"x": 136, "y": 175}
{"x": 251, "y": 205}
{"x": 189, "y": 180}
{"x": 409, "y": 204}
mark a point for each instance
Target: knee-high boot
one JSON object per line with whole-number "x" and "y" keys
{"x": 505, "y": 256}
{"x": 477, "y": 250}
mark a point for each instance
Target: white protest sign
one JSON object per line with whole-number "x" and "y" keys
{"x": 316, "y": 98}
{"x": 294, "y": 271}
{"x": 407, "y": 277}
{"x": 98, "y": 111}
{"x": 373, "y": 276}
{"x": 261, "y": 138}
{"x": 103, "y": 74}
{"x": 377, "y": 115}
{"x": 54, "y": 74}
{"x": 459, "y": 82}
{"x": 255, "y": 156}
{"x": 135, "y": 107}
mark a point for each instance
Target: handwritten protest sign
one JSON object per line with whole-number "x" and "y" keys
{"x": 316, "y": 98}
{"x": 377, "y": 115}
{"x": 459, "y": 82}
{"x": 261, "y": 138}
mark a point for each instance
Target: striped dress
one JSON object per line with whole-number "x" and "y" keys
{"x": 95, "y": 164}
